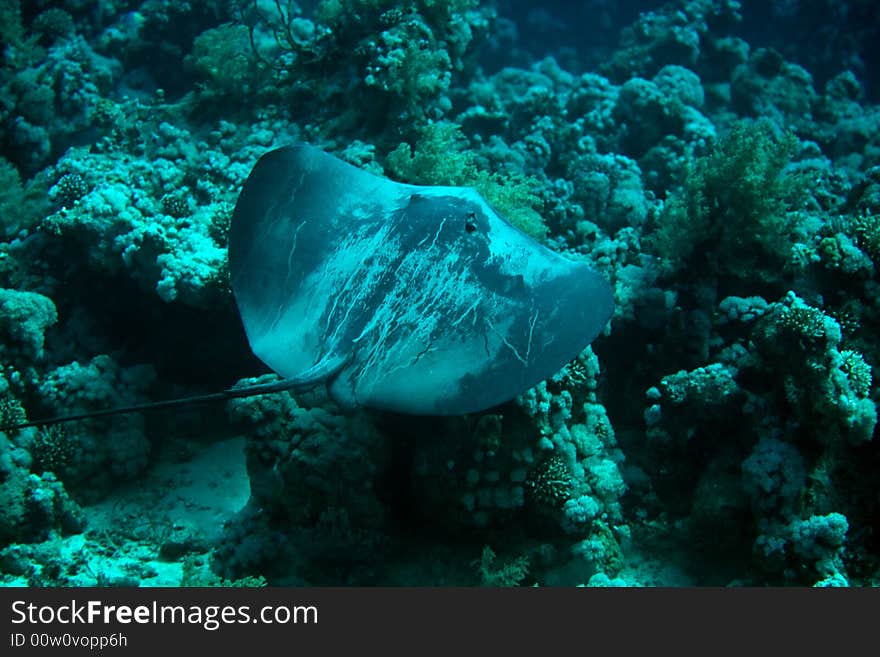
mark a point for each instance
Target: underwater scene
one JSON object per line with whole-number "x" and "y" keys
{"x": 454, "y": 292}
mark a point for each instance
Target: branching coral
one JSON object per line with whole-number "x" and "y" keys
{"x": 48, "y": 98}
{"x": 223, "y": 56}
{"x": 808, "y": 551}
{"x": 32, "y": 506}
{"x": 441, "y": 158}
{"x": 825, "y": 388}
{"x": 734, "y": 216}
{"x": 680, "y": 33}
{"x": 399, "y": 57}
{"x": 158, "y": 217}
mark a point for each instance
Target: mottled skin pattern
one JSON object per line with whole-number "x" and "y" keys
{"x": 414, "y": 299}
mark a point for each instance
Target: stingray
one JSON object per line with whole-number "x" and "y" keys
{"x": 415, "y": 299}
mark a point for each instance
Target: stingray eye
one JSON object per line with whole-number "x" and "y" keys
{"x": 470, "y": 225}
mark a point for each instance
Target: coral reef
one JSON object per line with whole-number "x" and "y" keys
{"x": 720, "y": 171}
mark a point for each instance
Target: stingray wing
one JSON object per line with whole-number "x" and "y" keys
{"x": 436, "y": 304}
{"x": 297, "y": 208}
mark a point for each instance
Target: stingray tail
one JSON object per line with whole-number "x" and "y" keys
{"x": 323, "y": 371}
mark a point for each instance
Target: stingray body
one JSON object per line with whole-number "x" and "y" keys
{"x": 415, "y": 299}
